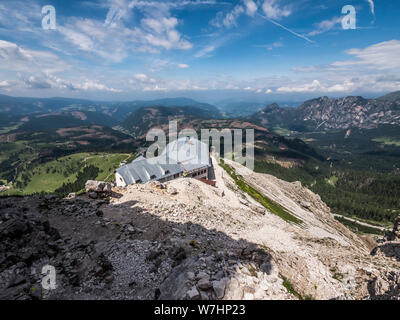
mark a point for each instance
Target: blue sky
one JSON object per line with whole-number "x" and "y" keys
{"x": 265, "y": 50}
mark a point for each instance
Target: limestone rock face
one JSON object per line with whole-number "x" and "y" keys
{"x": 386, "y": 287}
{"x": 98, "y": 186}
{"x": 389, "y": 246}
{"x": 219, "y": 288}
{"x": 143, "y": 243}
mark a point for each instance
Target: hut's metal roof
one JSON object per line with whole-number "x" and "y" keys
{"x": 184, "y": 154}
{"x": 188, "y": 152}
{"x": 145, "y": 170}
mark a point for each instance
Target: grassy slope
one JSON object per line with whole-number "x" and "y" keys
{"x": 50, "y": 176}
{"x": 256, "y": 195}
{"x": 363, "y": 181}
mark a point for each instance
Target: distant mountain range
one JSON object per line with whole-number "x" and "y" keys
{"x": 51, "y": 121}
{"x": 332, "y": 114}
{"x": 232, "y": 108}
{"x": 267, "y": 143}
{"x": 117, "y": 110}
{"x": 313, "y": 115}
{"x": 144, "y": 119}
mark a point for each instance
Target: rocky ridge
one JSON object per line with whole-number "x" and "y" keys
{"x": 187, "y": 240}
{"x": 326, "y": 113}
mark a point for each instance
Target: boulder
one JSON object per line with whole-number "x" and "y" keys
{"x": 157, "y": 185}
{"x": 107, "y": 188}
{"x": 71, "y": 196}
{"x": 98, "y": 186}
{"x": 390, "y": 249}
{"x": 385, "y": 287}
{"x": 204, "y": 284}
{"x": 389, "y": 246}
{"x": 233, "y": 290}
{"x": 305, "y": 204}
{"x": 4, "y": 188}
{"x": 201, "y": 275}
{"x": 219, "y": 288}
{"x": 193, "y": 294}
{"x": 93, "y": 195}
{"x": 172, "y": 190}
{"x": 191, "y": 275}
{"x": 176, "y": 285}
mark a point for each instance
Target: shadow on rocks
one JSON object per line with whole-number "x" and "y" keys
{"x": 104, "y": 251}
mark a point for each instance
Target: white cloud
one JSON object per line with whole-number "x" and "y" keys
{"x": 372, "y": 6}
{"x": 183, "y": 66}
{"x": 205, "y": 52}
{"x": 371, "y": 69}
{"x": 79, "y": 39}
{"x": 38, "y": 70}
{"x": 11, "y": 15}
{"x": 34, "y": 82}
{"x": 381, "y": 56}
{"x": 142, "y": 78}
{"x": 162, "y": 33}
{"x": 273, "y": 11}
{"x": 229, "y": 19}
{"x": 278, "y": 44}
{"x": 50, "y": 81}
{"x": 93, "y": 85}
{"x": 115, "y": 42}
{"x": 251, "y": 7}
{"x": 325, "y": 26}
{"x": 16, "y": 58}
{"x": 6, "y": 85}
{"x": 129, "y": 26}
{"x": 119, "y": 9}
{"x": 316, "y": 86}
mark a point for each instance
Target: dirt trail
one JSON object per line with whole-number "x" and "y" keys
{"x": 362, "y": 223}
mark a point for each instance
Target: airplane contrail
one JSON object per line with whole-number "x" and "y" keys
{"x": 285, "y": 28}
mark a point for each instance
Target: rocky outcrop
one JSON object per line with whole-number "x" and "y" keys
{"x": 395, "y": 234}
{"x": 389, "y": 246}
{"x": 97, "y": 189}
{"x": 386, "y": 286}
{"x": 98, "y": 186}
{"x": 193, "y": 243}
{"x": 4, "y": 188}
{"x": 326, "y": 113}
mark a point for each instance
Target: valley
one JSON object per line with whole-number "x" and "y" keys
{"x": 355, "y": 169}
{"x": 356, "y": 180}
